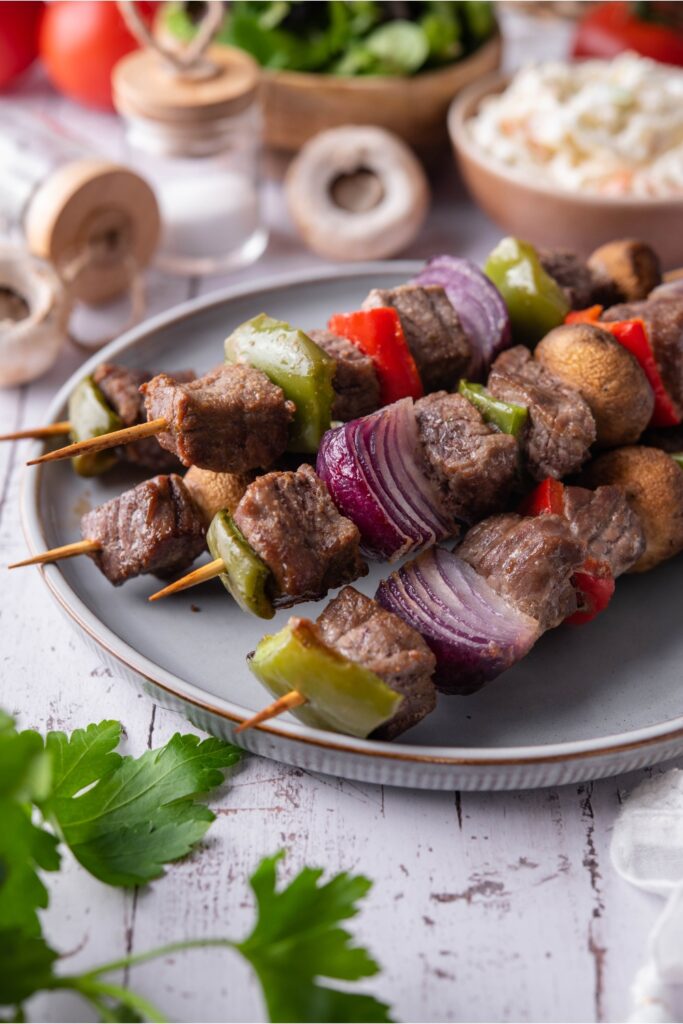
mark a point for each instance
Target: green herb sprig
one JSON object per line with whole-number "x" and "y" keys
{"x": 124, "y": 818}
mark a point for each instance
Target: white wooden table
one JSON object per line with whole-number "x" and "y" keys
{"x": 485, "y": 907}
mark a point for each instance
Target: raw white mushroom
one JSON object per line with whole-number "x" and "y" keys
{"x": 357, "y": 192}
{"x": 33, "y": 313}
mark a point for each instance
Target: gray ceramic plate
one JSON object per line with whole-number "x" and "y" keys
{"x": 587, "y": 702}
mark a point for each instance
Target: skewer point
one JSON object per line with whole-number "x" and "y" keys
{"x": 80, "y": 547}
{"x": 104, "y": 441}
{"x": 293, "y": 699}
{"x": 200, "y": 575}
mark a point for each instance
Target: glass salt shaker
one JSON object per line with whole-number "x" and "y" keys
{"x": 196, "y": 133}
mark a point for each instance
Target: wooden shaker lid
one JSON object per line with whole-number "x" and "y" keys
{"x": 144, "y": 85}
{"x": 97, "y": 223}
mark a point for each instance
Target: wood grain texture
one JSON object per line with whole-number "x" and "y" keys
{"x": 496, "y": 907}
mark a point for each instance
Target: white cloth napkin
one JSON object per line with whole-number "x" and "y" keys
{"x": 647, "y": 850}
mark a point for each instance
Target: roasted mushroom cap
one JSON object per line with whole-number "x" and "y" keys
{"x": 607, "y": 376}
{"x": 632, "y": 266}
{"x": 653, "y": 484}
{"x": 213, "y": 492}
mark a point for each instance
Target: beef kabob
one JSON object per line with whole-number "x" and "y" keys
{"x": 420, "y": 336}
{"x": 451, "y": 621}
{"x": 411, "y": 474}
{"x": 291, "y": 543}
{"x": 279, "y": 390}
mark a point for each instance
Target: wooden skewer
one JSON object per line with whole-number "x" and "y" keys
{"x": 200, "y": 575}
{"x": 52, "y": 430}
{"x": 80, "y": 547}
{"x": 294, "y": 699}
{"x": 104, "y": 441}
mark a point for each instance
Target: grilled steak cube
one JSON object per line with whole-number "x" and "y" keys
{"x": 355, "y": 380}
{"x": 529, "y": 561}
{"x": 663, "y": 318}
{"x": 362, "y": 631}
{"x": 152, "y": 528}
{"x": 607, "y": 525}
{"x": 560, "y": 427}
{"x": 120, "y": 385}
{"x": 231, "y": 420}
{"x": 473, "y": 466}
{"x": 583, "y": 285}
{"x": 432, "y": 330}
{"x": 290, "y": 520}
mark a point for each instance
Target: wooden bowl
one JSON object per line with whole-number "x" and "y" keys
{"x": 547, "y": 215}
{"x": 299, "y": 104}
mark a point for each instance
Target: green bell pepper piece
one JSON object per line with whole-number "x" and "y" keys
{"x": 90, "y": 415}
{"x": 507, "y": 416}
{"x": 296, "y": 364}
{"x": 246, "y": 575}
{"x": 678, "y": 458}
{"x": 342, "y": 695}
{"x": 535, "y": 301}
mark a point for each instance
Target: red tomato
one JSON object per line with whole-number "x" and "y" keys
{"x": 81, "y": 42}
{"x": 610, "y": 28}
{"x": 19, "y": 23}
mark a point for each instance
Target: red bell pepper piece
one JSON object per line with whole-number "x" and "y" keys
{"x": 594, "y": 584}
{"x": 650, "y": 29}
{"x": 632, "y": 334}
{"x": 546, "y": 499}
{"x": 378, "y": 333}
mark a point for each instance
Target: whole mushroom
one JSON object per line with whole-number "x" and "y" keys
{"x": 632, "y": 267}
{"x": 607, "y": 376}
{"x": 356, "y": 192}
{"x": 653, "y": 485}
{"x": 214, "y": 492}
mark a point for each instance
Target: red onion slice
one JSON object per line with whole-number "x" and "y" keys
{"x": 479, "y": 305}
{"x": 473, "y": 632}
{"x": 374, "y": 472}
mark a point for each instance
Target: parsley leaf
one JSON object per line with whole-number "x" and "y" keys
{"x": 297, "y": 939}
{"x": 141, "y": 813}
{"x": 24, "y": 847}
{"x": 25, "y": 966}
{"x": 84, "y": 757}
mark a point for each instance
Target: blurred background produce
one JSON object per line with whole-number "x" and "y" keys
{"x": 346, "y": 37}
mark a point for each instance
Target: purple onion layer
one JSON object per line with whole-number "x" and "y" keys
{"x": 473, "y": 632}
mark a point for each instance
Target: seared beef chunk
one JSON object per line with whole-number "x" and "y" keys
{"x": 355, "y": 381}
{"x": 152, "y": 528}
{"x": 560, "y": 428}
{"x": 120, "y": 385}
{"x": 583, "y": 285}
{"x": 432, "y": 330}
{"x": 529, "y": 561}
{"x": 607, "y": 525}
{"x": 473, "y": 466}
{"x": 358, "y": 628}
{"x": 231, "y": 420}
{"x": 290, "y": 521}
{"x": 663, "y": 318}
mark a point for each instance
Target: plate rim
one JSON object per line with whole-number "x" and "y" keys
{"x": 567, "y": 752}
